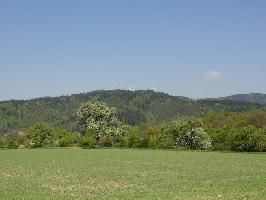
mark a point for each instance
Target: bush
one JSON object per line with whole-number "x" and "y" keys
{"x": 188, "y": 134}
{"x": 87, "y": 141}
{"x": 153, "y": 142}
{"x": 66, "y": 138}
{"x": 221, "y": 139}
{"x": 66, "y": 141}
{"x": 2, "y": 143}
{"x": 38, "y": 135}
{"x": 134, "y": 141}
{"x": 244, "y": 140}
{"x": 165, "y": 141}
{"x": 144, "y": 142}
{"x": 106, "y": 141}
{"x": 194, "y": 139}
{"x": 120, "y": 141}
{"x": 261, "y": 140}
{"x": 12, "y": 144}
{"x": 12, "y": 141}
{"x": 249, "y": 139}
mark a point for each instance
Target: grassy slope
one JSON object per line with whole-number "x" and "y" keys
{"x": 130, "y": 174}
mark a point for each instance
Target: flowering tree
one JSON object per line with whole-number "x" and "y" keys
{"x": 194, "y": 139}
{"x": 188, "y": 134}
{"x": 97, "y": 119}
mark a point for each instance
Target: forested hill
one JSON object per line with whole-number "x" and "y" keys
{"x": 252, "y": 98}
{"x": 134, "y": 107}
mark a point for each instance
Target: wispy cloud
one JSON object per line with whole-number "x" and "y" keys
{"x": 212, "y": 75}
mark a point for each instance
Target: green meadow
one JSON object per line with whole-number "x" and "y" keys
{"x": 131, "y": 174}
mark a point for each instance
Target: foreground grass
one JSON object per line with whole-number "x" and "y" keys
{"x": 130, "y": 174}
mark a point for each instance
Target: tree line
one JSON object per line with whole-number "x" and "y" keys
{"x": 98, "y": 126}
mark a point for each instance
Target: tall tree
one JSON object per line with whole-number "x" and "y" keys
{"x": 96, "y": 118}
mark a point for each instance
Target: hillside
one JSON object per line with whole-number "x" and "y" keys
{"x": 251, "y": 97}
{"x": 133, "y": 107}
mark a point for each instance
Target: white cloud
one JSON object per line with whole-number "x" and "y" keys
{"x": 212, "y": 75}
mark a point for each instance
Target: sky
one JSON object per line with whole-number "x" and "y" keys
{"x": 207, "y": 48}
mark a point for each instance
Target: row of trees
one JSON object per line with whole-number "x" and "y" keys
{"x": 99, "y": 127}
{"x": 166, "y": 137}
{"x": 237, "y": 132}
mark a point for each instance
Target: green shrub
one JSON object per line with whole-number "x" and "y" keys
{"x": 120, "y": 141}
{"x": 221, "y": 139}
{"x": 2, "y": 143}
{"x": 261, "y": 140}
{"x": 144, "y": 142}
{"x": 87, "y": 141}
{"x": 66, "y": 138}
{"x": 165, "y": 141}
{"x": 244, "y": 140}
{"x": 65, "y": 141}
{"x": 134, "y": 141}
{"x": 12, "y": 141}
{"x": 249, "y": 139}
{"x": 39, "y": 134}
{"x": 153, "y": 142}
{"x": 12, "y": 144}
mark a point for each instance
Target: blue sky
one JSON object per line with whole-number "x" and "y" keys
{"x": 206, "y": 48}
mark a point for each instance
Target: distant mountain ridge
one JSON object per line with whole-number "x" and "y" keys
{"x": 133, "y": 107}
{"x": 251, "y": 97}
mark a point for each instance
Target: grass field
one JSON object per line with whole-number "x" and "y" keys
{"x": 130, "y": 174}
